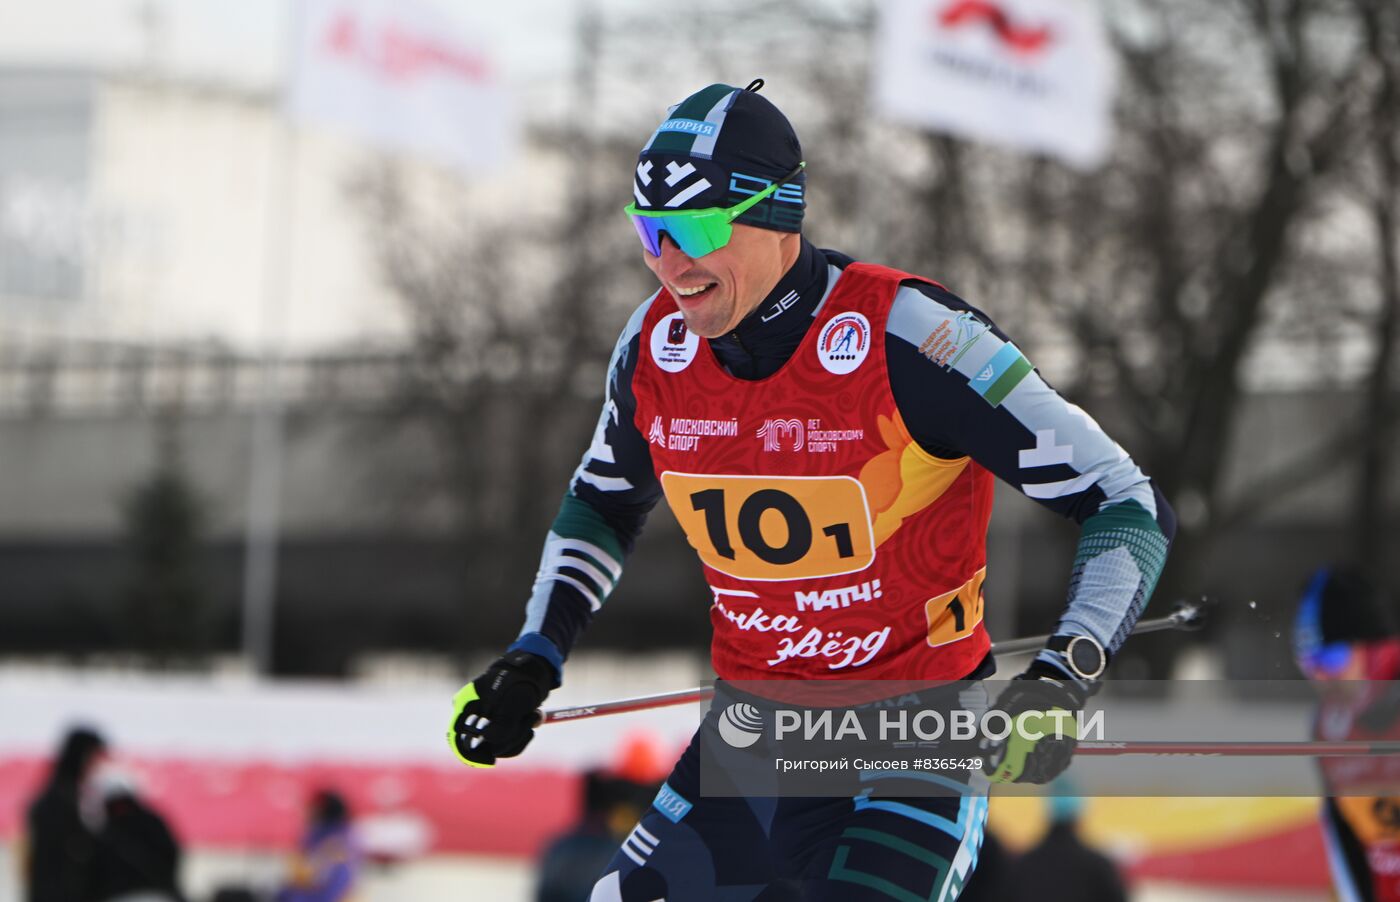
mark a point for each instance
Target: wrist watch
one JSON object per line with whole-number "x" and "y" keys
{"x": 1083, "y": 656}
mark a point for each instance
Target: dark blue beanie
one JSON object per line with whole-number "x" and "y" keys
{"x": 716, "y": 148}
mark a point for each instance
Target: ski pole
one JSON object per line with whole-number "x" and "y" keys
{"x": 1185, "y": 616}
{"x": 1246, "y": 748}
{"x": 624, "y": 705}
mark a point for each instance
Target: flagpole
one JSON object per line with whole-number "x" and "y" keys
{"x": 263, "y": 517}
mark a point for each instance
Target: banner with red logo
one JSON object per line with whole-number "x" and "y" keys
{"x": 1030, "y": 74}
{"x": 402, "y": 76}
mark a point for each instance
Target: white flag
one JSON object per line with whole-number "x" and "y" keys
{"x": 1029, "y": 74}
{"x": 404, "y": 77}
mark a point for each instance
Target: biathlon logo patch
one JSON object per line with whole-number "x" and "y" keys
{"x": 673, "y": 346}
{"x": 844, "y": 342}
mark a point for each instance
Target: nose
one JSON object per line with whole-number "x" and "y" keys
{"x": 673, "y": 263}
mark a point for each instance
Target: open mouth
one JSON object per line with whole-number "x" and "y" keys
{"x": 694, "y": 295}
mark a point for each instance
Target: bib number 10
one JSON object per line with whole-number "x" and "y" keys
{"x": 773, "y": 528}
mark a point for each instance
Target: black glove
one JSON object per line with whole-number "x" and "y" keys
{"x": 1020, "y": 759}
{"x": 495, "y": 715}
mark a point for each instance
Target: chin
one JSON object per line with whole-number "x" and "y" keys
{"x": 703, "y": 333}
{"x": 705, "y": 324}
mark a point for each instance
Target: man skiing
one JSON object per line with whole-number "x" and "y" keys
{"x": 826, "y": 432}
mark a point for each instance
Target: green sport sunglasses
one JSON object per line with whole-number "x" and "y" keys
{"x": 696, "y": 232}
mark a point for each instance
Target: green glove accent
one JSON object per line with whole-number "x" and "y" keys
{"x": 465, "y": 696}
{"x": 1023, "y": 742}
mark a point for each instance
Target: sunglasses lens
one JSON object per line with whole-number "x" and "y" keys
{"x": 696, "y": 235}
{"x": 649, "y": 229}
{"x": 700, "y": 234}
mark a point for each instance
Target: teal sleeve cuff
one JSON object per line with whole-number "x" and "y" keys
{"x": 577, "y": 519}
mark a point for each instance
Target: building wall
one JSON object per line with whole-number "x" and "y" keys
{"x": 149, "y": 211}
{"x": 46, "y": 146}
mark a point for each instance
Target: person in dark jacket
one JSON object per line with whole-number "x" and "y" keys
{"x": 1062, "y": 867}
{"x": 138, "y": 857}
{"x": 572, "y": 861}
{"x": 991, "y": 881}
{"x": 61, "y": 851}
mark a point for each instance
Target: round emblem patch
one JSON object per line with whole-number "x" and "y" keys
{"x": 673, "y": 346}
{"x": 844, "y": 342}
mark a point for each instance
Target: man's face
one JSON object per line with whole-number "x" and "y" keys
{"x": 731, "y": 281}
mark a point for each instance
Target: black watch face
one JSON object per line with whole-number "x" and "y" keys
{"x": 1086, "y": 658}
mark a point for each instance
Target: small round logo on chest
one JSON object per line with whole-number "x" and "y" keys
{"x": 673, "y": 346}
{"x": 844, "y": 343}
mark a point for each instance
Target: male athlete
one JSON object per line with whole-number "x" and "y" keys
{"x": 826, "y": 432}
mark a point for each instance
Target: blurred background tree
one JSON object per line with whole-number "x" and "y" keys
{"x": 166, "y": 603}
{"x": 1200, "y": 261}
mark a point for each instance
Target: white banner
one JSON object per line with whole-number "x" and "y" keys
{"x": 403, "y": 76}
{"x": 1030, "y": 74}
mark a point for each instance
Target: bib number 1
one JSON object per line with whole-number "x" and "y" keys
{"x": 955, "y": 615}
{"x": 774, "y": 527}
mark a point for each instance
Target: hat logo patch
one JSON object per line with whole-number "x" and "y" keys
{"x": 644, "y": 178}
{"x": 675, "y": 174}
{"x": 689, "y": 127}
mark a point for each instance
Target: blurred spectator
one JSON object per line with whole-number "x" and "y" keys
{"x": 138, "y": 857}
{"x": 991, "y": 880}
{"x": 235, "y": 894}
{"x": 328, "y": 860}
{"x": 1062, "y": 868}
{"x": 573, "y": 861}
{"x": 59, "y": 864}
{"x": 1346, "y": 639}
{"x": 613, "y": 801}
